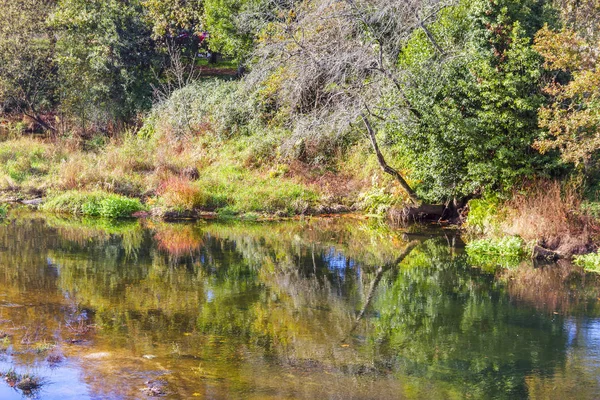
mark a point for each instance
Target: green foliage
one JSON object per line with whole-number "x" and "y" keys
{"x": 378, "y": 200}
{"x": 483, "y": 217}
{"x": 95, "y": 204}
{"x": 213, "y": 105}
{"x": 590, "y": 262}
{"x": 3, "y": 211}
{"x": 168, "y": 16}
{"x": 477, "y": 109}
{"x": 27, "y": 71}
{"x": 105, "y": 55}
{"x": 230, "y": 32}
{"x": 506, "y": 252}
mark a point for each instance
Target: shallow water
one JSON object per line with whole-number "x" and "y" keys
{"x": 317, "y": 309}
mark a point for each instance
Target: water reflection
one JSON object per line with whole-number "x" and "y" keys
{"x": 314, "y": 309}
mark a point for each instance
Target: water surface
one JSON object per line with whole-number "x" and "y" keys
{"x": 316, "y": 309}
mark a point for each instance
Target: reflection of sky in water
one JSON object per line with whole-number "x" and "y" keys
{"x": 64, "y": 382}
{"x": 585, "y": 334}
{"x": 337, "y": 262}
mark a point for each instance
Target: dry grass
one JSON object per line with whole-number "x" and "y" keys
{"x": 179, "y": 193}
{"x": 550, "y": 213}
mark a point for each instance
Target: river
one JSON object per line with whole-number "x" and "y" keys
{"x": 337, "y": 308}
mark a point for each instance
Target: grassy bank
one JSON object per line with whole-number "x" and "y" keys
{"x": 541, "y": 219}
{"x": 117, "y": 177}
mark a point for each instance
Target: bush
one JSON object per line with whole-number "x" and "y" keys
{"x": 3, "y": 211}
{"x": 213, "y": 105}
{"x": 483, "y": 215}
{"x": 95, "y": 204}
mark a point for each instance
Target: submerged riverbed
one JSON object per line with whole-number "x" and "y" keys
{"x": 309, "y": 309}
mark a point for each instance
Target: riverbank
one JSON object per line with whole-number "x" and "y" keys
{"x": 200, "y": 177}
{"x": 189, "y": 177}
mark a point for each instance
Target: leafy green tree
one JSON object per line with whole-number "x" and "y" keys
{"x": 105, "y": 54}
{"x": 27, "y": 69}
{"x": 168, "y": 17}
{"x": 232, "y": 25}
{"x": 476, "y": 90}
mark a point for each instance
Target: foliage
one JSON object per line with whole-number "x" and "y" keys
{"x": 27, "y": 70}
{"x": 169, "y": 17}
{"x": 572, "y": 118}
{"x": 3, "y": 211}
{"x": 590, "y": 262}
{"x": 483, "y": 217}
{"x": 95, "y": 204}
{"x": 476, "y": 102}
{"x": 506, "y": 252}
{"x": 215, "y": 106}
{"x": 105, "y": 53}
{"x": 231, "y": 24}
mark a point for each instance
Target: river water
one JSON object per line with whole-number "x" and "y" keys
{"x": 313, "y": 309}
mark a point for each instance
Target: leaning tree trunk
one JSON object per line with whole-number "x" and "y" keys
{"x": 384, "y": 165}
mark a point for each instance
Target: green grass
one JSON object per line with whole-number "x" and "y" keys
{"x": 236, "y": 190}
{"x": 505, "y": 252}
{"x": 589, "y": 262}
{"x": 94, "y": 204}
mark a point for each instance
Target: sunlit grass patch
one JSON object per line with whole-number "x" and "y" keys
{"x": 505, "y": 252}
{"x": 589, "y": 262}
{"x": 95, "y": 204}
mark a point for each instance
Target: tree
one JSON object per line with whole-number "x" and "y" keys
{"x": 169, "y": 17}
{"x": 27, "y": 68}
{"x": 572, "y": 117}
{"x": 476, "y": 87}
{"x": 233, "y": 25}
{"x": 328, "y": 64}
{"x": 104, "y": 52}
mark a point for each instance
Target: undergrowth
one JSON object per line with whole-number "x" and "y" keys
{"x": 95, "y": 204}
{"x": 589, "y": 262}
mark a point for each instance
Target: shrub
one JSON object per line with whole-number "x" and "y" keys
{"x": 3, "y": 211}
{"x": 483, "y": 215}
{"x": 95, "y": 204}
{"x": 213, "y": 105}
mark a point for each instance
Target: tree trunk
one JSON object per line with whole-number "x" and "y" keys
{"x": 384, "y": 166}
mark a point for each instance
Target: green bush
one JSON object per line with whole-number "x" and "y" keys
{"x": 213, "y": 104}
{"x": 3, "y": 211}
{"x": 95, "y": 204}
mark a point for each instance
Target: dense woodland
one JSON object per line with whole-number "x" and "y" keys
{"x": 307, "y": 106}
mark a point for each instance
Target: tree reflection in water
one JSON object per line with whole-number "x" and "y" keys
{"x": 333, "y": 308}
